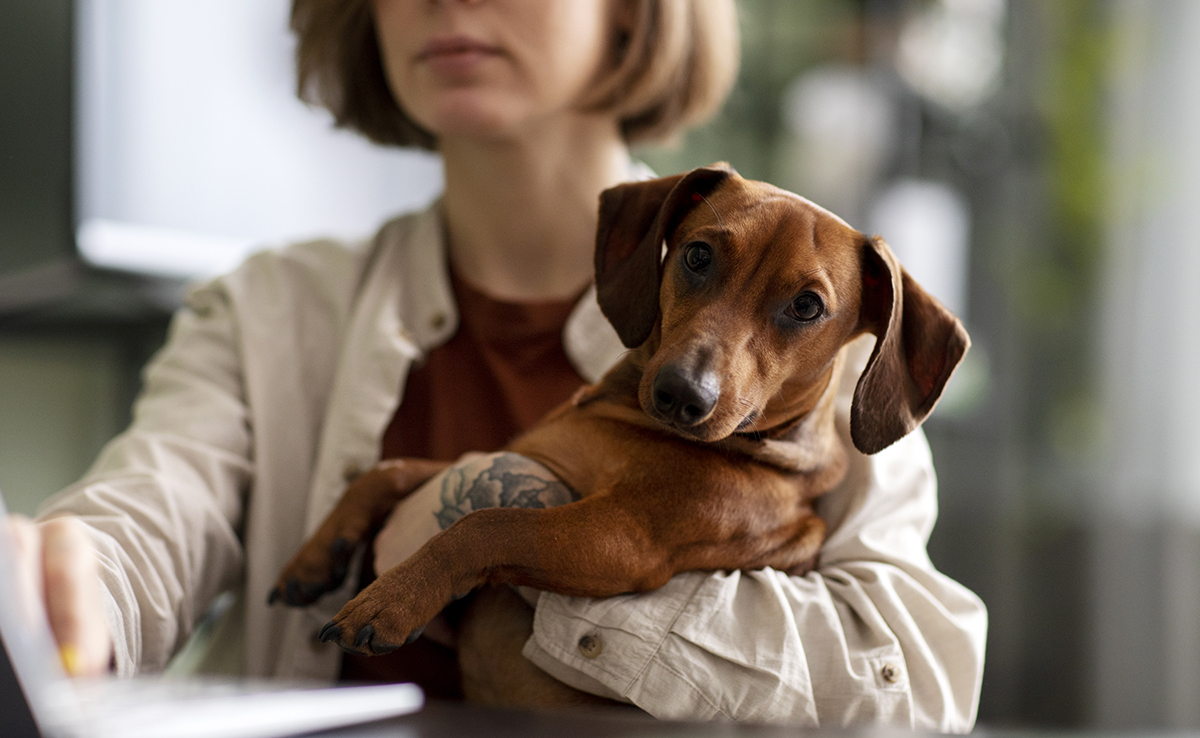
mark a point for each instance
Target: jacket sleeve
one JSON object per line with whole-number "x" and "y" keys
{"x": 874, "y": 635}
{"x": 164, "y": 500}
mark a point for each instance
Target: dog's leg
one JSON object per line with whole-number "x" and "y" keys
{"x": 594, "y": 547}
{"x": 321, "y": 564}
{"x": 597, "y": 547}
{"x": 800, "y": 554}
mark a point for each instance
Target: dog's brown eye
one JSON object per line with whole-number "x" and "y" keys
{"x": 807, "y": 307}
{"x": 697, "y": 255}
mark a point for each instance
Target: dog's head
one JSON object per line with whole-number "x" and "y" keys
{"x": 740, "y": 295}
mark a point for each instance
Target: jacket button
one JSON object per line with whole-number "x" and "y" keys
{"x": 351, "y": 471}
{"x": 890, "y": 673}
{"x": 438, "y": 321}
{"x": 590, "y": 646}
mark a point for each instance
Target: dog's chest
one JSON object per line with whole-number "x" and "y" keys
{"x": 647, "y": 468}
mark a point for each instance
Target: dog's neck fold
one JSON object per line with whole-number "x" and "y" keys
{"x": 805, "y": 444}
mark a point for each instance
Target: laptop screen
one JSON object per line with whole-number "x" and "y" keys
{"x": 37, "y": 699}
{"x": 18, "y": 717}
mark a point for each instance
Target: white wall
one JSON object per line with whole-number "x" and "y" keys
{"x": 188, "y": 122}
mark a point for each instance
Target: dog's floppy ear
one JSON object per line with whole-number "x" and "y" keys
{"x": 635, "y": 218}
{"x": 918, "y": 343}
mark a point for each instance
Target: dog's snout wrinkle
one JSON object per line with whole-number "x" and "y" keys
{"x": 749, "y": 418}
{"x": 685, "y": 399}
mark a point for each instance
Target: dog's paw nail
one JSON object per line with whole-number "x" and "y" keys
{"x": 312, "y": 592}
{"x": 292, "y": 593}
{"x": 414, "y": 635}
{"x": 341, "y": 548}
{"x": 364, "y": 635}
{"x": 299, "y": 594}
{"x": 379, "y": 649}
{"x": 331, "y": 631}
{"x": 274, "y": 596}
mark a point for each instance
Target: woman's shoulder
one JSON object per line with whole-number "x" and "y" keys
{"x": 327, "y": 259}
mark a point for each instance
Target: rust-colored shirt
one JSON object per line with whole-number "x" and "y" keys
{"x": 502, "y": 371}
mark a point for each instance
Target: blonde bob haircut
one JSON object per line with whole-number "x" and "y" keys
{"x": 669, "y": 70}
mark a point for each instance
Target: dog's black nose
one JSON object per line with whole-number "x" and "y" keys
{"x": 683, "y": 398}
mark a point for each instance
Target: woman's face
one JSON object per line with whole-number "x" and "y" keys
{"x": 491, "y": 68}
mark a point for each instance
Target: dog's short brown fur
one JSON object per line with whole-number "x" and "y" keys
{"x": 705, "y": 446}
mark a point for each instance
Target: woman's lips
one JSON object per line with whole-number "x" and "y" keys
{"x": 455, "y": 54}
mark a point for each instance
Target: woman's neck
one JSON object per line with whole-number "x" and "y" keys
{"x": 521, "y": 214}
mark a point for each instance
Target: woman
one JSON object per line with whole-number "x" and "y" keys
{"x": 284, "y": 379}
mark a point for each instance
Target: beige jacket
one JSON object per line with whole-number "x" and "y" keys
{"x": 275, "y": 386}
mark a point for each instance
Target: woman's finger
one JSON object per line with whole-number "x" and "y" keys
{"x": 73, "y": 598}
{"x": 27, "y": 545}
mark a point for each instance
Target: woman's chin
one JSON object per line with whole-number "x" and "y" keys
{"x": 486, "y": 119}
{"x": 475, "y": 130}
{"x": 463, "y": 112}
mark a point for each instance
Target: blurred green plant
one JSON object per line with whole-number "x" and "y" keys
{"x": 1057, "y": 280}
{"x": 780, "y": 39}
{"x": 1059, "y": 294}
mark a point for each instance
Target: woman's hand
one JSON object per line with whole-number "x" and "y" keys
{"x": 475, "y": 481}
{"x": 56, "y": 568}
{"x": 412, "y": 522}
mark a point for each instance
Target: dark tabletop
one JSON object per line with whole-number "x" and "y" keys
{"x": 442, "y": 720}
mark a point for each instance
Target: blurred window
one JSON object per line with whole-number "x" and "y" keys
{"x": 193, "y": 149}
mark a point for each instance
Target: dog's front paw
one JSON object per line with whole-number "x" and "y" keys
{"x": 318, "y": 567}
{"x": 386, "y": 615}
{"x": 322, "y": 563}
{"x": 365, "y": 640}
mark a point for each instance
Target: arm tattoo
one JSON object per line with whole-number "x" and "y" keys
{"x": 509, "y": 480}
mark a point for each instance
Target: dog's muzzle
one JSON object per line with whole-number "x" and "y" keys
{"x": 685, "y": 399}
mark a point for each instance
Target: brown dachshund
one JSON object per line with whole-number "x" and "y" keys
{"x": 705, "y": 446}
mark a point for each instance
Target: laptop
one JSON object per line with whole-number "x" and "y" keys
{"x": 38, "y": 700}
